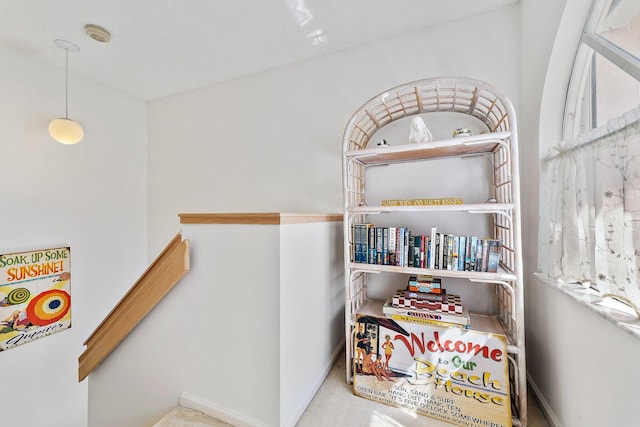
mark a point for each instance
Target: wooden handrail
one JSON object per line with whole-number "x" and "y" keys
{"x": 161, "y": 276}
{"x": 256, "y": 218}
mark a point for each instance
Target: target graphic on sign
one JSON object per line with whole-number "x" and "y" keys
{"x": 18, "y": 296}
{"x": 48, "y": 307}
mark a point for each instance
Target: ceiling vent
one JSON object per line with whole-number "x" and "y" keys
{"x": 97, "y": 33}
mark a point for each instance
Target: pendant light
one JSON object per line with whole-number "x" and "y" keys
{"x": 64, "y": 130}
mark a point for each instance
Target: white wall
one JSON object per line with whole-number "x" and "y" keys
{"x": 582, "y": 365}
{"x": 246, "y": 329}
{"x": 272, "y": 141}
{"x": 311, "y": 312}
{"x": 91, "y": 196}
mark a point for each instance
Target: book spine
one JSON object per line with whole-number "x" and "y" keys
{"x": 372, "y": 245}
{"x": 462, "y": 253}
{"x": 353, "y": 246}
{"x": 428, "y": 296}
{"x": 427, "y": 252}
{"x": 479, "y": 255}
{"x": 399, "y": 245}
{"x": 427, "y": 289}
{"x": 385, "y": 246}
{"x": 407, "y": 239}
{"x": 436, "y": 262}
{"x": 441, "y": 260}
{"x": 357, "y": 242}
{"x": 472, "y": 254}
{"x": 462, "y": 249}
{"x": 445, "y": 252}
{"x": 494, "y": 256}
{"x": 378, "y": 245}
{"x": 458, "y": 319}
{"x": 485, "y": 254}
{"x": 427, "y": 321}
{"x": 392, "y": 246}
{"x": 411, "y": 252}
{"x": 432, "y": 287}
{"x": 417, "y": 244}
{"x": 432, "y": 248}
{"x": 454, "y": 253}
{"x": 363, "y": 242}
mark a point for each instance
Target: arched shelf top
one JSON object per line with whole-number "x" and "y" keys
{"x": 440, "y": 94}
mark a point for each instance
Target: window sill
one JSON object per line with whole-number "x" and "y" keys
{"x": 592, "y": 299}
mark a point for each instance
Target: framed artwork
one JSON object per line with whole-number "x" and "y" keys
{"x": 35, "y": 295}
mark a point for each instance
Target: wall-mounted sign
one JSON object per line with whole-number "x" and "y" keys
{"x": 35, "y": 295}
{"x": 452, "y": 374}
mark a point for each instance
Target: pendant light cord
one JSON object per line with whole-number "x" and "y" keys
{"x": 66, "y": 85}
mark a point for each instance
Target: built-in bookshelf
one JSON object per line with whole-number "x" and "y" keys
{"x": 410, "y": 175}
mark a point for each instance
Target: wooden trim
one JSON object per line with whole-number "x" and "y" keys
{"x": 161, "y": 276}
{"x": 229, "y": 218}
{"x": 307, "y": 218}
{"x": 273, "y": 218}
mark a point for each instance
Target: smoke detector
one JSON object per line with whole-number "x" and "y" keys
{"x": 97, "y": 33}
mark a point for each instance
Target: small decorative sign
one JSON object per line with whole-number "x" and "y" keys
{"x": 35, "y": 295}
{"x": 452, "y": 374}
{"x": 424, "y": 202}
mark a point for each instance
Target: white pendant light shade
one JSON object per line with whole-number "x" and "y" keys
{"x": 65, "y": 131}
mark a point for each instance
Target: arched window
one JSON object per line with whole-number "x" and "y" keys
{"x": 590, "y": 187}
{"x": 605, "y": 80}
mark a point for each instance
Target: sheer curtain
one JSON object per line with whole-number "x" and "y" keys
{"x": 590, "y": 209}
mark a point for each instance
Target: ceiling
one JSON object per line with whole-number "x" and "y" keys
{"x": 163, "y": 47}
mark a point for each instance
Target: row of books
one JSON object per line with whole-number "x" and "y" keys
{"x": 400, "y": 247}
{"x": 432, "y": 307}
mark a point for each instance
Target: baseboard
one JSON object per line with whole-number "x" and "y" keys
{"x": 544, "y": 405}
{"x": 221, "y": 413}
{"x": 238, "y": 419}
{"x": 294, "y": 416}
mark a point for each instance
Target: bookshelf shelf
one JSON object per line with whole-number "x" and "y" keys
{"x": 493, "y": 192}
{"x": 460, "y": 146}
{"x": 501, "y": 275}
{"x": 471, "y": 208}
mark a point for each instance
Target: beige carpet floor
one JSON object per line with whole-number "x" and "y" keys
{"x": 336, "y": 405}
{"x": 185, "y": 417}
